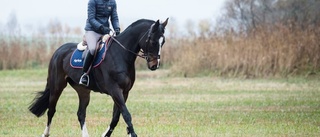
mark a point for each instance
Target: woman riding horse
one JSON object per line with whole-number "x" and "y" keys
{"x": 99, "y": 12}
{"x": 115, "y": 75}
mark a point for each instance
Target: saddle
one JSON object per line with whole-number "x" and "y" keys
{"x": 83, "y": 44}
{"x": 77, "y": 58}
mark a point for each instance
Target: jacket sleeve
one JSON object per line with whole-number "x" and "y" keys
{"x": 92, "y": 15}
{"x": 114, "y": 17}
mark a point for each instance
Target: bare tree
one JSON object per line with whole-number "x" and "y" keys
{"x": 300, "y": 13}
{"x": 204, "y": 28}
{"x": 12, "y": 25}
{"x": 173, "y": 28}
{"x": 77, "y": 31}
{"x": 190, "y": 26}
{"x": 55, "y": 27}
{"x": 247, "y": 15}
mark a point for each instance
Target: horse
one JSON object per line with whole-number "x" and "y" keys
{"x": 115, "y": 75}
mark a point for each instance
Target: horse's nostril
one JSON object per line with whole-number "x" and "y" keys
{"x": 154, "y": 67}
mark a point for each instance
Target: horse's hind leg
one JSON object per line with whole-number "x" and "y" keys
{"x": 56, "y": 83}
{"x": 84, "y": 99}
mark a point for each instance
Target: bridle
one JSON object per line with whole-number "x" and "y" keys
{"x": 149, "y": 40}
{"x": 145, "y": 53}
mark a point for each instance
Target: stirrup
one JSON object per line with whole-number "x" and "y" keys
{"x": 88, "y": 79}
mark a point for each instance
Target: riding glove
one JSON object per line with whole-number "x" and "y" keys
{"x": 117, "y": 31}
{"x": 104, "y": 30}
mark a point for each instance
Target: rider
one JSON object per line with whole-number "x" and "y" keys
{"x": 99, "y": 12}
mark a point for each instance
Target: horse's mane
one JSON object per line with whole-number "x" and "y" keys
{"x": 139, "y": 22}
{"x": 142, "y": 20}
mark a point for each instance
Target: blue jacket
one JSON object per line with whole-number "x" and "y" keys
{"x": 99, "y": 12}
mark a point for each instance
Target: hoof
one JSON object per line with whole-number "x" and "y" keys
{"x": 107, "y": 133}
{"x": 130, "y": 132}
{"x": 132, "y": 135}
{"x": 43, "y": 135}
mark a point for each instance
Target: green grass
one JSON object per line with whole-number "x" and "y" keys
{"x": 172, "y": 106}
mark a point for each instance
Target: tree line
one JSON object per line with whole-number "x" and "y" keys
{"x": 54, "y": 27}
{"x": 252, "y": 38}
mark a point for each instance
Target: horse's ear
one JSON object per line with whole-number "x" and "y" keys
{"x": 157, "y": 22}
{"x": 155, "y": 26}
{"x": 164, "y": 24}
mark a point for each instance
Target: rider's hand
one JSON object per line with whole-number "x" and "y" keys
{"x": 117, "y": 31}
{"x": 104, "y": 30}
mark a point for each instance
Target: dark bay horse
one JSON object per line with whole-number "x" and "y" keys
{"x": 115, "y": 76}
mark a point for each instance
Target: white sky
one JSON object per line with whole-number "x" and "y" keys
{"x": 74, "y": 12}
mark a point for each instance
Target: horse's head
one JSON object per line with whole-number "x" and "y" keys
{"x": 153, "y": 44}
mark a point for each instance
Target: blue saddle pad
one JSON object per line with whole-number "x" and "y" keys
{"x": 76, "y": 60}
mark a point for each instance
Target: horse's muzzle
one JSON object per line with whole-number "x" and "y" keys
{"x": 153, "y": 63}
{"x": 153, "y": 68}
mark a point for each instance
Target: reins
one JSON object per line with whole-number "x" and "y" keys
{"x": 137, "y": 54}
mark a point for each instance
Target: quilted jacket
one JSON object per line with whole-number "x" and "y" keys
{"x": 99, "y": 12}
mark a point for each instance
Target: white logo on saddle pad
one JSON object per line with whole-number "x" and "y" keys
{"x": 77, "y": 60}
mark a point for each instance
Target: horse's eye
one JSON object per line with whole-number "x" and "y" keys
{"x": 154, "y": 43}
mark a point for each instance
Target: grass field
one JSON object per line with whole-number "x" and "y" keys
{"x": 172, "y": 106}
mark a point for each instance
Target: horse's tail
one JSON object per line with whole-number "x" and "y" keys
{"x": 40, "y": 103}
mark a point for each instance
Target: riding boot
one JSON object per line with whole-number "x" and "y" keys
{"x": 84, "y": 80}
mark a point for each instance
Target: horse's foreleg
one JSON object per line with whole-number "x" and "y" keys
{"x": 84, "y": 99}
{"x": 127, "y": 118}
{"x": 115, "y": 119}
{"x": 120, "y": 100}
{"x": 130, "y": 129}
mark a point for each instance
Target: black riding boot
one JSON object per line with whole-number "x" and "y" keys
{"x": 84, "y": 80}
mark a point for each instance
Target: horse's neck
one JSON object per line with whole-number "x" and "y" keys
{"x": 133, "y": 36}
{"x": 129, "y": 39}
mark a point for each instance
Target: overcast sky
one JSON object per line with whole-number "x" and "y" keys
{"x": 32, "y": 13}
